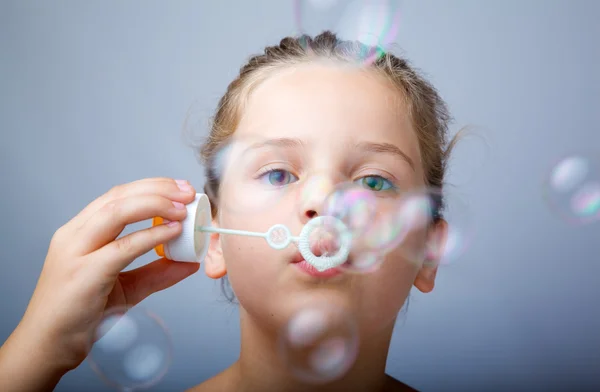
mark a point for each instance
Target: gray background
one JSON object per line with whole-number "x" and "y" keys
{"x": 95, "y": 93}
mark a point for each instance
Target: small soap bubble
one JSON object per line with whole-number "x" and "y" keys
{"x": 374, "y": 23}
{"x": 424, "y": 209}
{"x": 142, "y": 362}
{"x": 393, "y": 222}
{"x": 320, "y": 343}
{"x": 132, "y": 349}
{"x": 572, "y": 189}
{"x": 322, "y": 4}
{"x": 117, "y": 333}
{"x": 363, "y": 263}
{"x": 252, "y": 176}
{"x": 314, "y": 187}
{"x": 353, "y": 205}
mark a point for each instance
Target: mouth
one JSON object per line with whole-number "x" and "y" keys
{"x": 327, "y": 245}
{"x": 306, "y": 268}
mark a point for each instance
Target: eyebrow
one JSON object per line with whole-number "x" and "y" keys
{"x": 386, "y": 148}
{"x": 283, "y": 142}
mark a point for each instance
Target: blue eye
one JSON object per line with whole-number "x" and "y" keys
{"x": 375, "y": 183}
{"x": 279, "y": 177}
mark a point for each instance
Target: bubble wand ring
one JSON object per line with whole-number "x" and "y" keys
{"x": 324, "y": 262}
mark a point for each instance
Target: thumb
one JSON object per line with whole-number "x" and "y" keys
{"x": 156, "y": 276}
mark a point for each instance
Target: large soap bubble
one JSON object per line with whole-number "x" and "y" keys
{"x": 132, "y": 349}
{"x": 319, "y": 343}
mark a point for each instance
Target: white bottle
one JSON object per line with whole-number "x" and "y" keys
{"x": 191, "y": 245}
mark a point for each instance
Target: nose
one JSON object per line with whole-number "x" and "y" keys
{"x": 313, "y": 195}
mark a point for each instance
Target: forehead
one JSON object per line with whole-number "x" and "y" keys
{"x": 329, "y": 103}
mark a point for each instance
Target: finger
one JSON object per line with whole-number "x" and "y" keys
{"x": 161, "y": 274}
{"x": 106, "y": 224}
{"x": 112, "y": 258}
{"x": 177, "y": 190}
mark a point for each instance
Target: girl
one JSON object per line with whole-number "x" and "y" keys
{"x": 304, "y": 110}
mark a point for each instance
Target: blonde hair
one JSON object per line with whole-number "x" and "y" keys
{"x": 428, "y": 112}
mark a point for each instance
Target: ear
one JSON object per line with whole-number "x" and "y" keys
{"x": 214, "y": 262}
{"x": 436, "y": 241}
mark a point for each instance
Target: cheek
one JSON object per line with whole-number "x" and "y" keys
{"x": 256, "y": 272}
{"x": 246, "y": 197}
{"x": 252, "y": 206}
{"x": 396, "y": 278}
{"x": 400, "y": 268}
{"x": 251, "y": 264}
{"x": 384, "y": 292}
{"x": 398, "y": 273}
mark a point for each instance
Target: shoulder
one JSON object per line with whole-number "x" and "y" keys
{"x": 394, "y": 385}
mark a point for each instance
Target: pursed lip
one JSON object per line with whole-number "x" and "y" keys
{"x": 318, "y": 245}
{"x": 305, "y": 267}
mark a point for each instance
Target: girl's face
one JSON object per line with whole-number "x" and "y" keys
{"x": 305, "y": 131}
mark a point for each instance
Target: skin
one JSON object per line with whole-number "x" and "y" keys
{"x": 270, "y": 289}
{"x": 81, "y": 278}
{"x": 82, "y": 275}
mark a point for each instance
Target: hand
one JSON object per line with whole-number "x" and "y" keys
{"x": 81, "y": 277}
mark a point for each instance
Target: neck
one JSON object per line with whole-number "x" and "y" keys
{"x": 260, "y": 368}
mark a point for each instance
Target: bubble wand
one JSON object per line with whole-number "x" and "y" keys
{"x": 192, "y": 244}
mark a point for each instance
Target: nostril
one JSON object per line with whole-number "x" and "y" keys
{"x": 311, "y": 214}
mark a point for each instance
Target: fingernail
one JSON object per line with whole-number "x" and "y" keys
{"x": 173, "y": 223}
{"x": 178, "y": 205}
{"x": 184, "y": 186}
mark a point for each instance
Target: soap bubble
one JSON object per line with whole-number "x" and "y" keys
{"x": 320, "y": 343}
{"x": 461, "y": 230}
{"x": 377, "y": 225}
{"x": 316, "y": 186}
{"x": 353, "y": 205}
{"x": 374, "y": 23}
{"x": 394, "y": 220}
{"x": 397, "y": 221}
{"x": 132, "y": 349}
{"x": 363, "y": 262}
{"x": 252, "y": 174}
{"x": 421, "y": 244}
{"x": 573, "y": 189}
